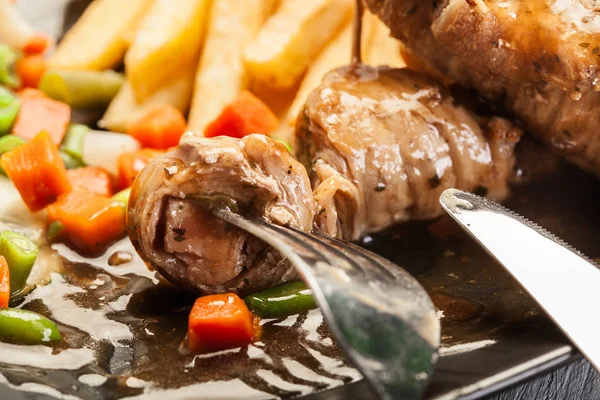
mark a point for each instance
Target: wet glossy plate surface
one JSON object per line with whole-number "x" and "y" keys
{"x": 123, "y": 330}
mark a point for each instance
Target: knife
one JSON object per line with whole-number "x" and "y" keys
{"x": 560, "y": 279}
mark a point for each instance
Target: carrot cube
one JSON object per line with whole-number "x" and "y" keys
{"x": 91, "y": 222}
{"x": 218, "y": 322}
{"x": 247, "y": 114}
{"x": 37, "y": 171}
{"x": 40, "y": 113}
{"x": 93, "y": 179}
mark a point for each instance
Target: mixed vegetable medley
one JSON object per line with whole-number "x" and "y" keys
{"x": 79, "y": 178}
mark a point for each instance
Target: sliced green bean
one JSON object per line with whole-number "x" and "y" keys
{"x": 280, "y": 301}
{"x": 9, "y": 108}
{"x": 26, "y": 327}
{"x": 54, "y": 229}
{"x": 7, "y": 143}
{"x": 73, "y": 141}
{"x": 8, "y": 76}
{"x": 71, "y": 161}
{"x": 82, "y": 88}
{"x": 20, "y": 254}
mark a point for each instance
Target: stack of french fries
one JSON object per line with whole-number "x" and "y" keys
{"x": 199, "y": 55}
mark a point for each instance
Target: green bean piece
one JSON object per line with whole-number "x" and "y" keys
{"x": 73, "y": 141}
{"x": 9, "y": 108}
{"x": 7, "y": 143}
{"x": 54, "y": 229}
{"x": 82, "y": 89}
{"x": 6, "y": 96}
{"x": 26, "y": 327}
{"x": 71, "y": 161}
{"x": 281, "y": 301}
{"x": 122, "y": 197}
{"x": 20, "y": 254}
{"x": 8, "y": 76}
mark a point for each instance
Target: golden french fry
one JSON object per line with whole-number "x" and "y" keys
{"x": 268, "y": 7}
{"x": 337, "y": 53}
{"x": 169, "y": 36}
{"x": 124, "y": 108}
{"x": 221, "y": 75}
{"x": 98, "y": 41}
{"x": 383, "y": 49}
{"x": 292, "y": 37}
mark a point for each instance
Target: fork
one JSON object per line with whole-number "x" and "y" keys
{"x": 380, "y": 315}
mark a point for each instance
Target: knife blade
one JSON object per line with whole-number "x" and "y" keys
{"x": 563, "y": 281}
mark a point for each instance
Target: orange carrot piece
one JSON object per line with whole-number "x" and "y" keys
{"x": 93, "y": 179}
{"x": 132, "y": 162}
{"x": 4, "y": 283}
{"x": 38, "y": 44}
{"x": 91, "y": 222}
{"x": 160, "y": 128}
{"x": 37, "y": 170}
{"x": 247, "y": 114}
{"x": 40, "y": 113}
{"x": 30, "y": 69}
{"x": 218, "y": 322}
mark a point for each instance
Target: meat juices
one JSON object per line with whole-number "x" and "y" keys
{"x": 540, "y": 58}
{"x": 382, "y": 144}
{"x": 197, "y": 251}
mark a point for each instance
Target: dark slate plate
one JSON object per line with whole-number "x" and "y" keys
{"x": 480, "y": 302}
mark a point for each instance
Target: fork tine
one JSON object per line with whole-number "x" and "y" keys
{"x": 353, "y": 250}
{"x": 388, "y": 327}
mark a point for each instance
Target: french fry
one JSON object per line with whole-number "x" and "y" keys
{"x": 15, "y": 31}
{"x": 124, "y": 108}
{"x": 169, "y": 36}
{"x": 292, "y": 37}
{"x": 337, "y": 54}
{"x": 221, "y": 75}
{"x": 383, "y": 49}
{"x": 98, "y": 40}
{"x": 268, "y": 7}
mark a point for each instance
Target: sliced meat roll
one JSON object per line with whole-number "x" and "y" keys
{"x": 540, "y": 58}
{"x": 382, "y": 144}
{"x": 174, "y": 233}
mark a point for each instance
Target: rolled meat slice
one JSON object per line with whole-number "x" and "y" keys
{"x": 382, "y": 144}
{"x": 174, "y": 233}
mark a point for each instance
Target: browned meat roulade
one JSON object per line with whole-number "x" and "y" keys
{"x": 382, "y": 144}
{"x": 540, "y": 58}
{"x": 196, "y": 251}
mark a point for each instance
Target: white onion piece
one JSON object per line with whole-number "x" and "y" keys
{"x": 14, "y": 214}
{"x": 102, "y": 149}
{"x": 15, "y": 32}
